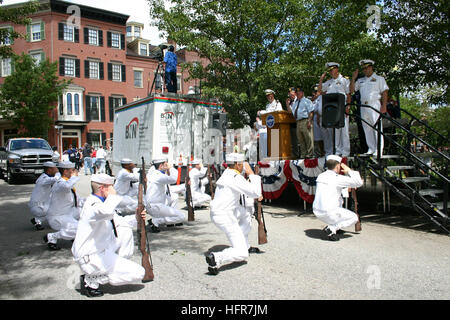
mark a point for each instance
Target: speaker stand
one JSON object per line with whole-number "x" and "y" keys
{"x": 334, "y": 140}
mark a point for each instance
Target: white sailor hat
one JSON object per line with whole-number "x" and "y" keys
{"x": 126, "y": 161}
{"x": 196, "y": 161}
{"x": 269, "y": 91}
{"x": 334, "y": 157}
{"x": 331, "y": 65}
{"x": 366, "y": 63}
{"x": 157, "y": 161}
{"x": 66, "y": 165}
{"x": 49, "y": 164}
{"x": 235, "y": 157}
{"x": 102, "y": 178}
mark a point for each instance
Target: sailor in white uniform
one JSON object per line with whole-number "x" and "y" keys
{"x": 65, "y": 206}
{"x": 127, "y": 186}
{"x": 40, "y": 197}
{"x": 224, "y": 210}
{"x": 327, "y": 205}
{"x": 271, "y": 106}
{"x": 374, "y": 93}
{"x": 338, "y": 84}
{"x": 159, "y": 202}
{"x": 97, "y": 248}
{"x": 198, "y": 182}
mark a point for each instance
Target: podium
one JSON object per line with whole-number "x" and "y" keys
{"x": 279, "y": 145}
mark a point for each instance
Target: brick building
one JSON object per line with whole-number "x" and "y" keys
{"x": 108, "y": 61}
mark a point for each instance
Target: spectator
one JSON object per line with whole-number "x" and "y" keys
{"x": 78, "y": 159}
{"x": 94, "y": 160}
{"x": 87, "y": 159}
{"x": 100, "y": 160}
{"x": 56, "y": 156}
{"x": 170, "y": 60}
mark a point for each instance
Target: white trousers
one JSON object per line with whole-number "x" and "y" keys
{"x": 162, "y": 214}
{"x": 327, "y": 136}
{"x": 127, "y": 205}
{"x": 66, "y": 227}
{"x": 200, "y": 199}
{"x": 342, "y": 139}
{"x": 337, "y": 219}
{"x": 38, "y": 212}
{"x": 244, "y": 217}
{"x": 370, "y": 133}
{"x": 124, "y": 244}
{"x": 228, "y": 223}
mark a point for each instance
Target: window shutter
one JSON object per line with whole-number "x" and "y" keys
{"x": 122, "y": 41}
{"x": 61, "y": 66}
{"x": 108, "y": 39}
{"x": 28, "y": 32}
{"x": 77, "y": 68}
{"x": 109, "y": 71}
{"x": 111, "y": 109}
{"x": 88, "y": 109}
{"x": 60, "y": 31}
{"x": 86, "y": 68}
{"x": 101, "y": 67}
{"x": 104, "y": 139}
{"x": 86, "y": 35}
{"x": 89, "y": 138}
{"x": 42, "y": 56}
{"x": 100, "y": 38}
{"x": 61, "y": 106}
{"x": 42, "y": 30}
{"x": 102, "y": 109}
{"x": 124, "y": 101}
{"x": 124, "y": 74}
{"x": 76, "y": 35}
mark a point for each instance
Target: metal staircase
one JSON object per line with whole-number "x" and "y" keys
{"x": 419, "y": 179}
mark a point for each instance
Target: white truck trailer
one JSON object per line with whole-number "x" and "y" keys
{"x": 168, "y": 126}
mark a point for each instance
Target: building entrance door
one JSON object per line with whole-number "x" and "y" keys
{"x": 67, "y": 141}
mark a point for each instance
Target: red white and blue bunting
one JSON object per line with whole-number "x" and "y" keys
{"x": 303, "y": 173}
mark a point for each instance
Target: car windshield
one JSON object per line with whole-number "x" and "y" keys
{"x": 29, "y": 144}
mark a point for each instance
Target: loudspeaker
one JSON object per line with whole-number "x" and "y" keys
{"x": 219, "y": 121}
{"x": 333, "y": 110}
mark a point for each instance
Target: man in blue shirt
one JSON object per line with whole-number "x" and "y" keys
{"x": 303, "y": 110}
{"x": 170, "y": 60}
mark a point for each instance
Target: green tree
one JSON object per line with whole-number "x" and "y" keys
{"x": 28, "y": 95}
{"x": 16, "y": 15}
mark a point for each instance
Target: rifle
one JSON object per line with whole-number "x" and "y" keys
{"x": 211, "y": 190}
{"x": 355, "y": 200}
{"x": 259, "y": 215}
{"x": 189, "y": 203}
{"x": 144, "y": 246}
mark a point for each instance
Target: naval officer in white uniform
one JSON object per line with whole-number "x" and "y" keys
{"x": 198, "y": 182}
{"x": 127, "y": 186}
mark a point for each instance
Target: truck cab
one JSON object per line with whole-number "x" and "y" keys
{"x": 24, "y": 157}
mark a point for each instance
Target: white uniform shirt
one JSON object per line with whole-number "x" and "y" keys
{"x": 371, "y": 90}
{"x": 230, "y": 186}
{"x": 62, "y": 200}
{"x": 40, "y": 196}
{"x": 101, "y": 153}
{"x": 157, "y": 186}
{"x": 95, "y": 231}
{"x": 329, "y": 188}
{"x": 195, "y": 176}
{"x": 338, "y": 85}
{"x": 270, "y": 107}
{"x": 127, "y": 182}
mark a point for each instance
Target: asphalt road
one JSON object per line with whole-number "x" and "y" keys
{"x": 381, "y": 262}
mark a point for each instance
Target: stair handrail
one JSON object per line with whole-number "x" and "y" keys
{"x": 425, "y": 124}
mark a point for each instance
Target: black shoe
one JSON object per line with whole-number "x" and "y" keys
{"x": 213, "y": 270}
{"x": 340, "y": 232}
{"x": 51, "y": 246}
{"x": 33, "y": 221}
{"x": 254, "y": 250}
{"x": 88, "y": 291}
{"x": 327, "y": 230}
{"x": 152, "y": 227}
{"x": 170, "y": 225}
{"x": 178, "y": 224}
{"x": 38, "y": 227}
{"x": 333, "y": 237}
{"x": 211, "y": 260}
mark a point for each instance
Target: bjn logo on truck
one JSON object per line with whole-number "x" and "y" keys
{"x": 131, "y": 129}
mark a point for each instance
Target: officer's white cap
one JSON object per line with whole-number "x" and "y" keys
{"x": 49, "y": 164}
{"x": 366, "y": 63}
{"x": 196, "y": 161}
{"x": 269, "y": 91}
{"x": 102, "y": 178}
{"x": 331, "y": 65}
{"x": 157, "y": 161}
{"x": 126, "y": 161}
{"x": 66, "y": 165}
{"x": 235, "y": 157}
{"x": 334, "y": 157}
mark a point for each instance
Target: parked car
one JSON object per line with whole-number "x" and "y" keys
{"x": 24, "y": 157}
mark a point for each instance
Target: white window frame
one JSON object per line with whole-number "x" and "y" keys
{"x": 137, "y": 30}
{"x": 38, "y": 60}
{"x": 93, "y": 34}
{"x": 140, "y": 49}
{"x": 33, "y": 33}
{"x": 7, "y": 40}
{"x": 116, "y": 70}
{"x": 129, "y": 33}
{"x": 67, "y": 67}
{"x": 6, "y": 65}
{"x": 97, "y": 100}
{"x": 69, "y": 31}
{"x": 179, "y": 86}
{"x": 94, "y": 70}
{"x": 115, "y": 40}
{"x": 141, "y": 85}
